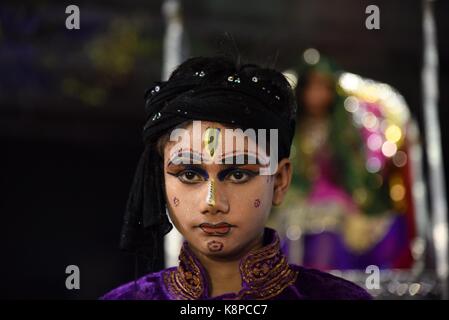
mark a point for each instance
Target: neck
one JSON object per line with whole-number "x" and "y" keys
{"x": 224, "y": 272}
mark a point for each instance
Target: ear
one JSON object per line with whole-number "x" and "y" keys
{"x": 282, "y": 179}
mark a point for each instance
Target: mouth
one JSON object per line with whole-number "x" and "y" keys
{"x": 219, "y": 229}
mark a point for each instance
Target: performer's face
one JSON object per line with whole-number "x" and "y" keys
{"x": 220, "y": 209}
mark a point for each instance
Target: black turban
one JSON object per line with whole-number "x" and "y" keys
{"x": 246, "y": 98}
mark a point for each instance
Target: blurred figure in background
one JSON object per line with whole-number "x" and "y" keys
{"x": 350, "y": 203}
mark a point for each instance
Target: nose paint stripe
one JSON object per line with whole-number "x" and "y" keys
{"x": 210, "y": 199}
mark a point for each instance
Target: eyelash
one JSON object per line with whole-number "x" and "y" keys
{"x": 183, "y": 180}
{"x": 249, "y": 174}
{"x": 180, "y": 175}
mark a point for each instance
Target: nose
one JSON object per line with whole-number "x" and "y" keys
{"x": 214, "y": 199}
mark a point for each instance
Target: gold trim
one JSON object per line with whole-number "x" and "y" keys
{"x": 265, "y": 274}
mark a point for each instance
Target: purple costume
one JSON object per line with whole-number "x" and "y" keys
{"x": 265, "y": 273}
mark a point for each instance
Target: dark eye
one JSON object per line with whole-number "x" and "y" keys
{"x": 189, "y": 176}
{"x": 240, "y": 176}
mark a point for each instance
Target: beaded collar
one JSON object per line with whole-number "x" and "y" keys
{"x": 265, "y": 273}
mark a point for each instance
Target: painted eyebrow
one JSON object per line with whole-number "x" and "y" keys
{"x": 236, "y": 159}
{"x": 185, "y": 157}
{"x": 240, "y": 159}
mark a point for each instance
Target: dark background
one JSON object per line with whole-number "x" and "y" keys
{"x": 71, "y": 110}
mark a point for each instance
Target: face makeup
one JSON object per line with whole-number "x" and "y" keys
{"x": 210, "y": 199}
{"x": 214, "y": 246}
{"x": 218, "y": 229}
{"x": 218, "y": 213}
{"x": 211, "y": 141}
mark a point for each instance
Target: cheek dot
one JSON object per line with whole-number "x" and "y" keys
{"x": 256, "y": 203}
{"x": 175, "y": 201}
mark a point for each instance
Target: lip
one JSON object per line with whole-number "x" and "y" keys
{"x": 218, "y": 229}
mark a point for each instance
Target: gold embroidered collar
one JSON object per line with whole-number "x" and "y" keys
{"x": 265, "y": 273}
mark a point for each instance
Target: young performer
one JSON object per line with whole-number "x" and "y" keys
{"x": 218, "y": 192}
